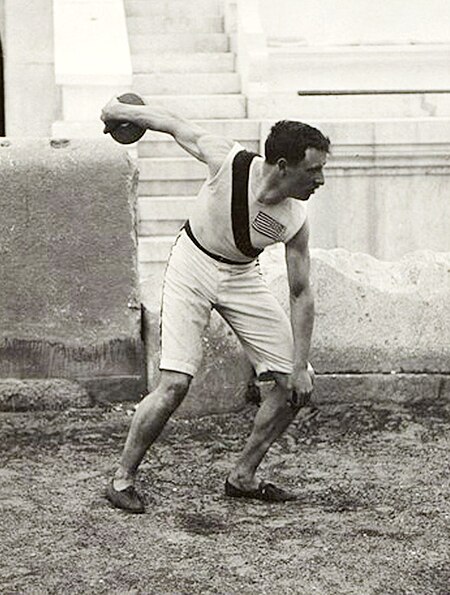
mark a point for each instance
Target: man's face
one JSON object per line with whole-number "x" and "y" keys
{"x": 301, "y": 180}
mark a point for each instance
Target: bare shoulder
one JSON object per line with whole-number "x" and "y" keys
{"x": 214, "y": 150}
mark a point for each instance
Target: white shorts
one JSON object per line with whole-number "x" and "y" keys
{"x": 194, "y": 284}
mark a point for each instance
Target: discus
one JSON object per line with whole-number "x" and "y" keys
{"x": 125, "y": 133}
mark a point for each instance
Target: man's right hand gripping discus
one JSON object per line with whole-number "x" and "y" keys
{"x": 125, "y": 133}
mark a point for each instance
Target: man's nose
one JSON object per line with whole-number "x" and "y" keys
{"x": 320, "y": 179}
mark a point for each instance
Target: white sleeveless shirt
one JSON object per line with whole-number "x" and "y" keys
{"x": 211, "y": 221}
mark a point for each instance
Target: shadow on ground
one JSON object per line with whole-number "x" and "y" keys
{"x": 373, "y": 514}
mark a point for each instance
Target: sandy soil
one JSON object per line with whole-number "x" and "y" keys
{"x": 373, "y": 516}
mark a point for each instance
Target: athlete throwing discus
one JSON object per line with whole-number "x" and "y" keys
{"x": 248, "y": 202}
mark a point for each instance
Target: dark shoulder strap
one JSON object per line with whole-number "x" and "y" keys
{"x": 239, "y": 203}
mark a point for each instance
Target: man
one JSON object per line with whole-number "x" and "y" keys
{"x": 246, "y": 204}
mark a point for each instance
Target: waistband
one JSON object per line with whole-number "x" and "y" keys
{"x": 217, "y": 257}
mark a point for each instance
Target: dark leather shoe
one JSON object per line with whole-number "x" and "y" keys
{"x": 267, "y": 492}
{"x": 127, "y": 499}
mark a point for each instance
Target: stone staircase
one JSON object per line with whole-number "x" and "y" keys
{"x": 181, "y": 59}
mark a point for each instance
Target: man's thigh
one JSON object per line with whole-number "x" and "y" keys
{"x": 259, "y": 321}
{"x": 188, "y": 293}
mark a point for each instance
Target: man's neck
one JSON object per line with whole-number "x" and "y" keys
{"x": 265, "y": 187}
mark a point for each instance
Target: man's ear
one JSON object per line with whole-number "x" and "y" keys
{"x": 282, "y": 165}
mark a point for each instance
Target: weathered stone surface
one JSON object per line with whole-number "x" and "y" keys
{"x": 69, "y": 305}
{"x": 38, "y": 395}
{"x": 416, "y": 390}
{"x": 376, "y": 316}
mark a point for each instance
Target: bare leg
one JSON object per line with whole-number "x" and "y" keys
{"x": 274, "y": 416}
{"x": 149, "y": 420}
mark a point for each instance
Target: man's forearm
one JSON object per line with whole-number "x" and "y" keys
{"x": 302, "y": 321}
{"x": 151, "y": 118}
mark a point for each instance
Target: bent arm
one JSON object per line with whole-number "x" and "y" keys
{"x": 198, "y": 142}
{"x": 301, "y": 297}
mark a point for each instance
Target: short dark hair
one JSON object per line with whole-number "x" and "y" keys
{"x": 290, "y": 139}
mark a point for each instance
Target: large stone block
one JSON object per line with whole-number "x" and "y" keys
{"x": 42, "y": 394}
{"x": 70, "y": 305}
{"x": 376, "y": 316}
{"x": 419, "y": 391}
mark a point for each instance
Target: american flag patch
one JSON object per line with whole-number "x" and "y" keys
{"x": 269, "y": 227}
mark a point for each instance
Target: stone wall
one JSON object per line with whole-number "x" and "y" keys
{"x": 70, "y": 304}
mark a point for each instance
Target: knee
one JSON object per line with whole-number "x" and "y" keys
{"x": 277, "y": 394}
{"x": 284, "y": 396}
{"x": 174, "y": 387}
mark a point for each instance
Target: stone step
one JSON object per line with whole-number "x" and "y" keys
{"x": 160, "y": 227}
{"x": 179, "y": 168}
{"x": 163, "y": 208}
{"x": 182, "y": 42}
{"x": 173, "y": 8}
{"x": 156, "y": 144}
{"x": 147, "y": 25}
{"x": 76, "y": 129}
{"x": 187, "y": 84}
{"x": 202, "y": 106}
{"x": 397, "y": 67}
{"x": 232, "y": 128}
{"x": 163, "y": 215}
{"x": 153, "y": 272}
{"x": 155, "y": 249}
{"x": 186, "y": 63}
{"x": 333, "y": 107}
{"x": 83, "y": 103}
{"x": 170, "y": 187}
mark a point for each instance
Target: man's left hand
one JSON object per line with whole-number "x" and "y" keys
{"x": 301, "y": 384}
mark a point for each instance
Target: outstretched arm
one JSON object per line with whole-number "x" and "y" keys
{"x": 201, "y": 144}
{"x": 302, "y": 309}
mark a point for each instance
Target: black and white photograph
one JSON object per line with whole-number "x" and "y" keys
{"x": 224, "y": 297}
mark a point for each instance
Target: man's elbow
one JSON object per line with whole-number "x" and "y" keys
{"x": 302, "y": 292}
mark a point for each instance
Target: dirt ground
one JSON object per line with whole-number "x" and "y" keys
{"x": 373, "y": 516}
